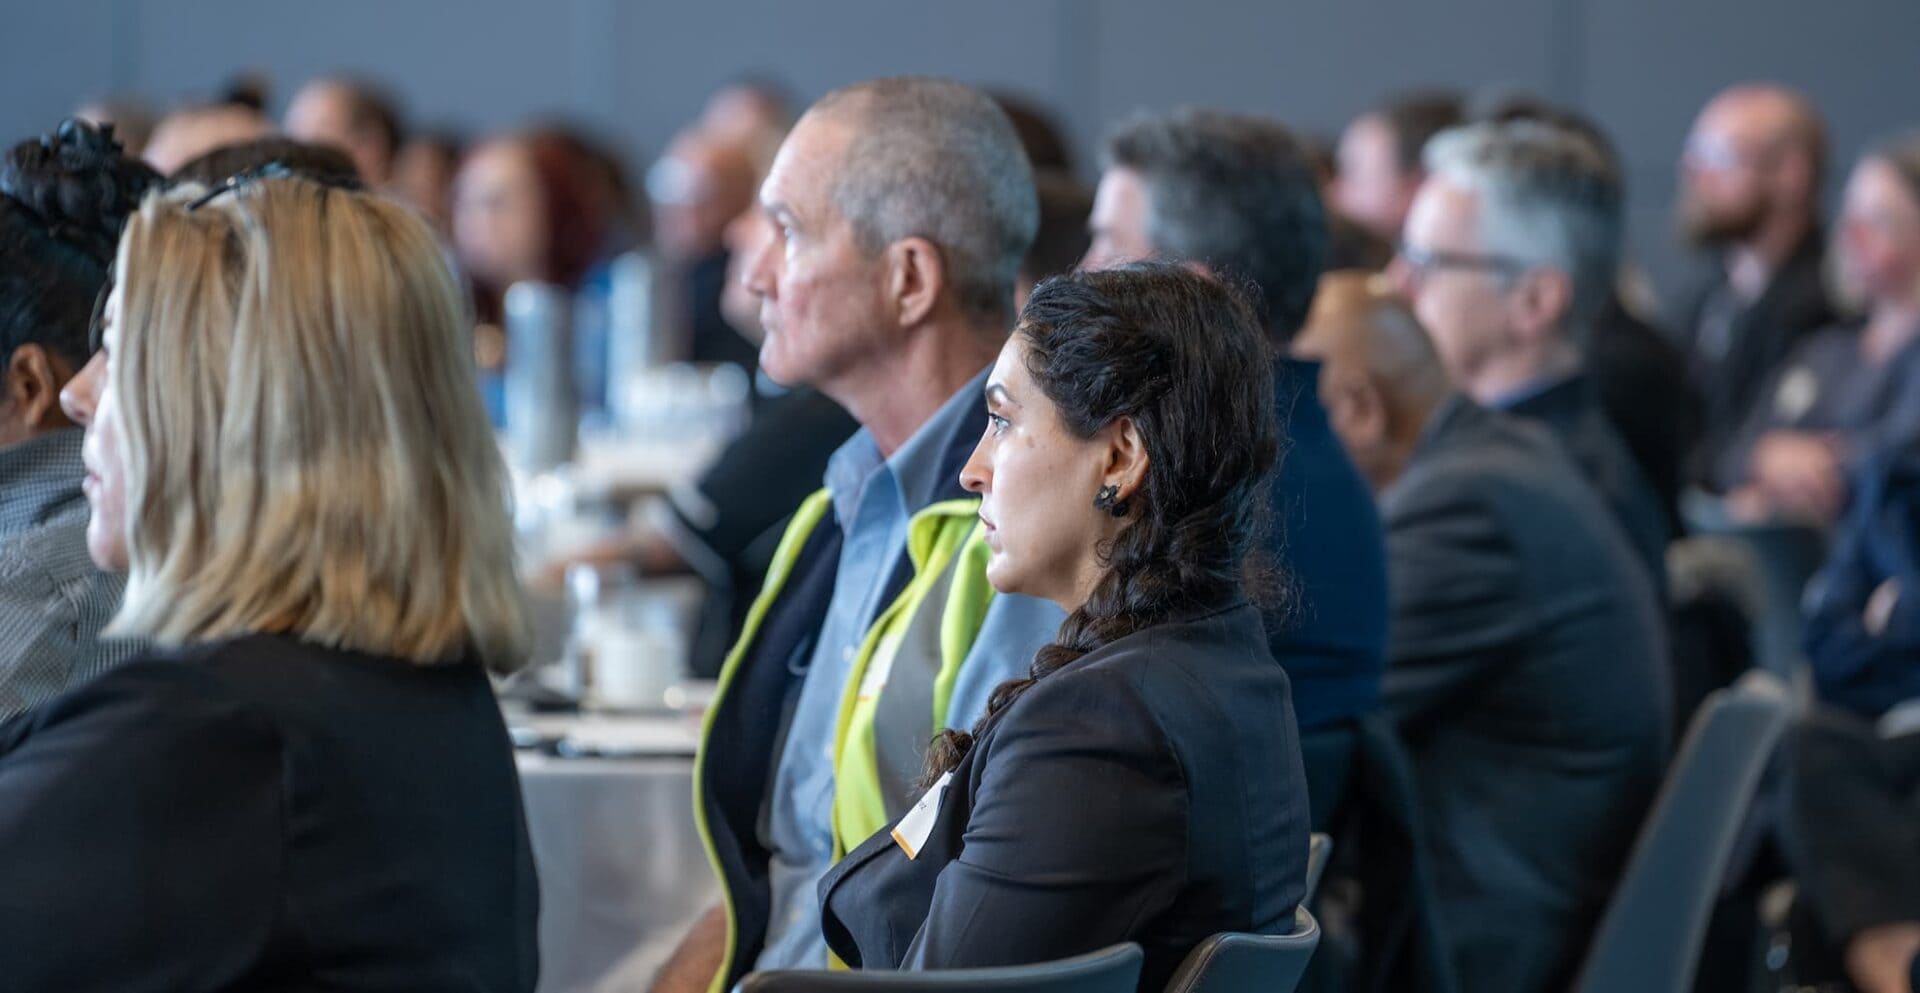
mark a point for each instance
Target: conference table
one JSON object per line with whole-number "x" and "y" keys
{"x": 609, "y": 794}
{"x": 623, "y": 873}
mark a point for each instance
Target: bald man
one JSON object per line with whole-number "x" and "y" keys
{"x": 704, "y": 181}
{"x": 185, "y": 135}
{"x": 1750, "y": 191}
{"x": 354, "y": 117}
{"x": 1526, "y": 662}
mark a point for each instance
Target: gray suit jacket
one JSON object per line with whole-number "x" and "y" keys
{"x": 1527, "y": 672}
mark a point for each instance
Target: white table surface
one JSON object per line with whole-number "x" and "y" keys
{"x": 623, "y": 873}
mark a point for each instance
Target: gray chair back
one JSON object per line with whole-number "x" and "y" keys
{"x": 1649, "y": 939}
{"x": 1319, "y": 852}
{"x": 1249, "y": 963}
{"x": 1115, "y": 969}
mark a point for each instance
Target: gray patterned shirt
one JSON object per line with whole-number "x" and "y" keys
{"x": 53, "y": 601}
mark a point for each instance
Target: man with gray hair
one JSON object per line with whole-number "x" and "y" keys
{"x": 1509, "y": 257}
{"x": 901, "y": 210}
{"x": 1527, "y": 671}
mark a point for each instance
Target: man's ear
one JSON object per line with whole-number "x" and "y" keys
{"x": 916, "y": 277}
{"x": 1356, "y": 410}
{"x": 34, "y": 377}
{"x": 1539, "y": 302}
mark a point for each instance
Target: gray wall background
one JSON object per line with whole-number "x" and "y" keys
{"x": 635, "y": 71}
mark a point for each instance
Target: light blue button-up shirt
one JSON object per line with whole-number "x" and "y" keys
{"x": 873, "y": 499}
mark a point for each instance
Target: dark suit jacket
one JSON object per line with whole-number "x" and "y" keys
{"x": 1879, "y": 540}
{"x": 265, "y": 814}
{"x": 1827, "y": 385}
{"x": 1649, "y": 399}
{"x": 1793, "y": 306}
{"x": 1149, "y": 792}
{"x": 1324, "y": 535}
{"x": 1527, "y": 672}
{"x": 1570, "y": 410}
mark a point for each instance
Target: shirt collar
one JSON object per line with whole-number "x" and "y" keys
{"x": 39, "y": 477}
{"x": 1529, "y": 391}
{"x": 915, "y": 465}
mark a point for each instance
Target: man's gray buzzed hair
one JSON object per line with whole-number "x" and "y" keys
{"x": 939, "y": 160}
{"x": 1548, "y": 196}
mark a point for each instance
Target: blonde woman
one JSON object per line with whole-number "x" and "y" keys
{"x": 307, "y": 784}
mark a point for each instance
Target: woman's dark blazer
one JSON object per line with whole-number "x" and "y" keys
{"x": 1150, "y": 791}
{"x": 266, "y": 814}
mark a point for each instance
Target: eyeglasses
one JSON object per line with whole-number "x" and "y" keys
{"x": 1424, "y": 260}
{"x": 272, "y": 170}
{"x": 1715, "y": 153}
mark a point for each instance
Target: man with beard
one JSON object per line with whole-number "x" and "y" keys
{"x": 1750, "y": 189}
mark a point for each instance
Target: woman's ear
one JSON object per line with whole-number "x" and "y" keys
{"x": 1127, "y": 459}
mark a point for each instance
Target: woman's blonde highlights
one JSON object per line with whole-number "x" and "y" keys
{"x": 305, "y": 445}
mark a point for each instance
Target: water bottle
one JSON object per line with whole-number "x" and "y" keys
{"x": 541, "y": 409}
{"x": 630, "y": 345}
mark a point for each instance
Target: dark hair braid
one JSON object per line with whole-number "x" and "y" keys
{"x": 1184, "y": 357}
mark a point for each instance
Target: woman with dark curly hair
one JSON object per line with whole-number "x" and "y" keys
{"x": 63, "y": 199}
{"x": 1143, "y": 782}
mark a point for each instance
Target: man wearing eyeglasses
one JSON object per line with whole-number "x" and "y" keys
{"x": 1750, "y": 180}
{"x": 1508, "y": 258}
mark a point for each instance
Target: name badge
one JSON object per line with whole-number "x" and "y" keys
{"x": 912, "y": 831}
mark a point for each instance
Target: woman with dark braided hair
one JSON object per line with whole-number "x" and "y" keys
{"x": 63, "y": 199}
{"x": 1143, "y": 782}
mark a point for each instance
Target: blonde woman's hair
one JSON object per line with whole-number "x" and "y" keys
{"x": 305, "y": 445}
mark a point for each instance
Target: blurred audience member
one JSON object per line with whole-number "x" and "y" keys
{"x": 1236, "y": 195}
{"x": 1852, "y": 837}
{"x": 63, "y": 198}
{"x": 520, "y": 215}
{"x": 1350, "y": 246}
{"x": 1040, "y": 133}
{"x": 738, "y": 303}
{"x": 1854, "y": 765}
{"x": 696, "y": 188}
{"x": 1380, "y": 168}
{"x": 320, "y": 163}
{"x": 1527, "y": 664}
{"x": 1642, "y": 377}
{"x": 185, "y": 135}
{"x": 1851, "y": 391}
{"x": 726, "y": 524}
{"x": 308, "y": 782}
{"x": 600, "y": 176}
{"x": 132, "y": 121}
{"x": 1509, "y": 260}
{"x": 746, "y": 109}
{"x": 249, "y": 88}
{"x": 1750, "y": 180}
{"x": 353, "y": 116}
{"x": 1065, "y": 205}
{"x": 1863, "y": 608}
{"x": 423, "y": 176}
